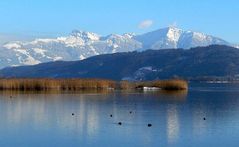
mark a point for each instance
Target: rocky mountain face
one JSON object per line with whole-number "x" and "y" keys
{"x": 81, "y": 45}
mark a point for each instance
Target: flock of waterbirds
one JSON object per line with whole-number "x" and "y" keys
{"x": 119, "y": 123}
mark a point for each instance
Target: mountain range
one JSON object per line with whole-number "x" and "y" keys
{"x": 80, "y": 45}
{"x": 210, "y": 61}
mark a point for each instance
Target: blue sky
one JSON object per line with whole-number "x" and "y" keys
{"x": 58, "y": 17}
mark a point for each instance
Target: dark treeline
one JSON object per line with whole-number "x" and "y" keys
{"x": 86, "y": 84}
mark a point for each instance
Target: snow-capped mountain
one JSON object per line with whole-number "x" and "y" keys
{"x": 80, "y": 45}
{"x": 173, "y": 37}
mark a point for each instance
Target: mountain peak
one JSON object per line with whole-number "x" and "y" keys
{"x": 173, "y": 28}
{"x": 129, "y": 35}
{"x": 85, "y": 35}
{"x": 174, "y": 33}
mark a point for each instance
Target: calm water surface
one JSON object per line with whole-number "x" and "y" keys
{"x": 46, "y": 120}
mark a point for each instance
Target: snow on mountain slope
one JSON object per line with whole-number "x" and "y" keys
{"x": 77, "y": 46}
{"x": 173, "y": 37}
{"x": 160, "y": 39}
{"x": 193, "y": 39}
{"x": 80, "y": 45}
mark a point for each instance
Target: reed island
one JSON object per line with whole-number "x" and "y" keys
{"x": 46, "y": 84}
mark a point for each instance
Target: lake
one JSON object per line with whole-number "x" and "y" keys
{"x": 205, "y": 116}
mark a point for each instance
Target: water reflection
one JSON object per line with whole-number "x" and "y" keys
{"x": 172, "y": 123}
{"x": 176, "y": 118}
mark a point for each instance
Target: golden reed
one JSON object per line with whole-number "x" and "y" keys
{"x": 55, "y": 84}
{"x": 175, "y": 84}
{"x": 45, "y": 84}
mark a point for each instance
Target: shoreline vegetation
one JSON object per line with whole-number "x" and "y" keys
{"x": 174, "y": 84}
{"x": 45, "y": 84}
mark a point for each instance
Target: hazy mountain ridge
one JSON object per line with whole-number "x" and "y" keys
{"x": 216, "y": 60}
{"x": 80, "y": 45}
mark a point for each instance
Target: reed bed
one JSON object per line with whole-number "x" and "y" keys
{"x": 55, "y": 84}
{"x": 86, "y": 84}
{"x": 174, "y": 84}
{"x": 171, "y": 84}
